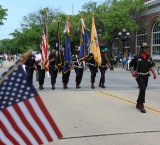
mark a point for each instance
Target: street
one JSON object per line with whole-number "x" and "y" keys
{"x": 100, "y": 116}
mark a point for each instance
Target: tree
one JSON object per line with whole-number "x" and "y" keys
{"x": 115, "y": 15}
{"x": 3, "y": 13}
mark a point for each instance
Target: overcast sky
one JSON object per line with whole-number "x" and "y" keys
{"x": 19, "y": 8}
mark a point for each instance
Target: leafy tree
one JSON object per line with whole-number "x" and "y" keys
{"x": 115, "y": 15}
{"x": 3, "y": 13}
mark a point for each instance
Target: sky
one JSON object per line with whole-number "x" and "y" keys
{"x": 17, "y": 9}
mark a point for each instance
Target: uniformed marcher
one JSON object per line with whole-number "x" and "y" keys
{"x": 65, "y": 78}
{"x": 103, "y": 67}
{"x": 93, "y": 68}
{"x": 30, "y": 66}
{"x": 41, "y": 70}
{"x": 78, "y": 66}
{"x": 139, "y": 67}
{"x": 52, "y": 69}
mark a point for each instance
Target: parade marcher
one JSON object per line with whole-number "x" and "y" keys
{"x": 30, "y": 66}
{"x": 78, "y": 66}
{"x": 52, "y": 69}
{"x": 103, "y": 68}
{"x": 65, "y": 78}
{"x": 93, "y": 69}
{"x": 41, "y": 70}
{"x": 139, "y": 67}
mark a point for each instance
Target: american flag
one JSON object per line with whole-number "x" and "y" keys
{"x": 44, "y": 46}
{"x": 23, "y": 117}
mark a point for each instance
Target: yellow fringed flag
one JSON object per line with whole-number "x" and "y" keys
{"x": 95, "y": 50}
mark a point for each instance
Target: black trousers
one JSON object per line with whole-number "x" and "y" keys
{"x": 79, "y": 74}
{"x": 102, "y": 70}
{"x": 142, "y": 81}
{"x": 93, "y": 70}
{"x": 65, "y": 77}
{"x": 41, "y": 73}
{"x": 53, "y": 72}
{"x": 30, "y": 72}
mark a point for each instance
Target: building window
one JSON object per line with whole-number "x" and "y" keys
{"x": 140, "y": 38}
{"x": 115, "y": 47}
{"x": 127, "y": 43}
{"x": 156, "y": 41}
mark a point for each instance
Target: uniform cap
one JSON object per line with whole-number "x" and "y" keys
{"x": 144, "y": 45}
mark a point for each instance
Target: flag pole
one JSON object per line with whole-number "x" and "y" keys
{"x": 22, "y": 59}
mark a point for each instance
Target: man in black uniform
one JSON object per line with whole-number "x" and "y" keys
{"x": 139, "y": 67}
{"x": 78, "y": 66}
{"x": 93, "y": 69}
{"x": 41, "y": 70}
{"x": 52, "y": 69}
{"x": 103, "y": 68}
{"x": 65, "y": 78}
{"x": 30, "y": 66}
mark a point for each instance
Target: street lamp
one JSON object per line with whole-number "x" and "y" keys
{"x": 123, "y": 34}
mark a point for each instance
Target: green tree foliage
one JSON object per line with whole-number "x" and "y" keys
{"x": 3, "y": 13}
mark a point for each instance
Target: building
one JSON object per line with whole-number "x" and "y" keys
{"x": 150, "y": 34}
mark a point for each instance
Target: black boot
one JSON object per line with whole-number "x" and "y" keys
{"x": 65, "y": 86}
{"x": 100, "y": 84}
{"x": 141, "y": 108}
{"x": 92, "y": 86}
{"x": 137, "y": 105}
{"x": 103, "y": 86}
{"x": 40, "y": 87}
{"x": 53, "y": 86}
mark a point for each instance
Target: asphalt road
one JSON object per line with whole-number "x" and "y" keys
{"x": 103, "y": 116}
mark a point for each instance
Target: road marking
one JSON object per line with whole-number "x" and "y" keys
{"x": 149, "y": 108}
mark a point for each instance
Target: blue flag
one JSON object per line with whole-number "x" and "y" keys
{"x": 67, "y": 54}
{"x": 85, "y": 43}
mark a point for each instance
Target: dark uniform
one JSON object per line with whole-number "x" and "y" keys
{"x": 93, "y": 69}
{"x": 103, "y": 69}
{"x": 65, "y": 78}
{"x": 41, "y": 72}
{"x": 78, "y": 66}
{"x": 142, "y": 64}
{"x": 53, "y": 70}
{"x": 30, "y": 66}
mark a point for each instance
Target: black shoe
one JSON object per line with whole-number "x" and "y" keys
{"x": 103, "y": 86}
{"x": 141, "y": 108}
{"x": 65, "y": 87}
{"x": 100, "y": 85}
{"x": 93, "y": 87}
{"x": 40, "y": 88}
{"x": 137, "y": 105}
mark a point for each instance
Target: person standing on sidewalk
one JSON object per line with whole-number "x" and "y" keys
{"x": 139, "y": 67}
{"x": 103, "y": 68}
{"x": 52, "y": 69}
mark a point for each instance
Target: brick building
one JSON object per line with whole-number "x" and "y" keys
{"x": 149, "y": 34}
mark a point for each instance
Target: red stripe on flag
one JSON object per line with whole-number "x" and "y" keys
{"x": 15, "y": 126}
{"x": 2, "y": 143}
{"x": 48, "y": 116}
{"x": 27, "y": 124}
{"x": 7, "y": 134}
{"x": 38, "y": 121}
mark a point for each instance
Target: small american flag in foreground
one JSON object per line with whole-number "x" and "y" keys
{"x": 23, "y": 117}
